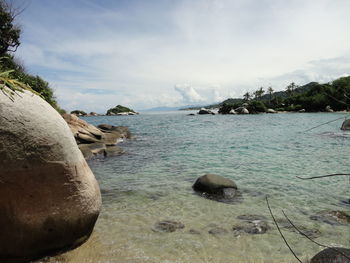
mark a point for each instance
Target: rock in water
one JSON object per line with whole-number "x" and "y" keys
{"x": 346, "y": 125}
{"x": 167, "y": 226}
{"x": 49, "y": 198}
{"x": 332, "y": 255}
{"x": 216, "y": 187}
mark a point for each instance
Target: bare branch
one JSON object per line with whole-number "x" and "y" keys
{"x": 321, "y": 176}
{"x": 325, "y": 123}
{"x": 279, "y": 230}
{"x": 303, "y": 234}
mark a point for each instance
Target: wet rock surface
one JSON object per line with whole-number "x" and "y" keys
{"x": 96, "y": 140}
{"x": 332, "y": 255}
{"x": 251, "y": 227}
{"x": 252, "y": 224}
{"x": 310, "y": 232}
{"x": 167, "y": 226}
{"x": 332, "y": 217}
{"x": 249, "y": 217}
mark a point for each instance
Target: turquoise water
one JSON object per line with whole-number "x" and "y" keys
{"x": 263, "y": 154}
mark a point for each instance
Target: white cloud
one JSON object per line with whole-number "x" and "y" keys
{"x": 188, "y": 93}
{"x": 226, "y": 47}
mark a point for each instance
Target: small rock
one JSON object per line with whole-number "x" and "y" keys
{"x": 194, "y": 232}
{"x": 310, "y": 232}
{"x": 332, "y": 255}
{"x": 167, "y": 226}
{"x": 332, "y": 217}
{"x": 253, "y": 227}
{"x": 328, "y": 109}
{"x": 271, "y": 111}
{"x": 251, "y": 217}
{"x": 217, "y": 231}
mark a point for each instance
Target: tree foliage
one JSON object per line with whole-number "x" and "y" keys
{"x": 9, "y": 32}
{"x": 10, "y": 67}
{"x": 119, "y": 109}
{"x": 312, "y": 97}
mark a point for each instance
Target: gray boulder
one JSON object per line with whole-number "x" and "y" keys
{"x": 49, "y": 198}
{"x": 329, "y": 109}
{"x": 242, "y": 110}
{"x": 346, "y": 125}
{"x": 271, "y": 111}
{"x": 205, "y": 111}
{"x": 216, "y": 187}
{"x": 332, "y": 255}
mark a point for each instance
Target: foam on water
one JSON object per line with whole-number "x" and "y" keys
{"x": 263, "y": 154}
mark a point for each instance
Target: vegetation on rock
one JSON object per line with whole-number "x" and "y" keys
{"x": 119, "y": 109}
{"x": 312, "y": 97}
{"x": 12, "y": 72}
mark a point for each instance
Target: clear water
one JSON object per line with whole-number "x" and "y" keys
{"x": 263, "y": 154}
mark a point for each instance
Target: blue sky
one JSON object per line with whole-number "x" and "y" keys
{"x": 143, "y": 54}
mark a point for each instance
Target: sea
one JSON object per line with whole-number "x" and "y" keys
{"x": 263, "y": 154}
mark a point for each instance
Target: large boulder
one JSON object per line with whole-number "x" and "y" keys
{"x": 82, "y": 131}
{"x": 332, "y": 255}
{"x": 346, "y": 125}
{"x": 216, "y": 187}
{"x": 49, "y": 198}
{"x": 203, "y": 111}
{"x": 242, "y": 110}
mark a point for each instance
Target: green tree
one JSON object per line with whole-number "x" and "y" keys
{"x": 258, "y": 93}
{"x": 290, "y": 89}
{"x": 247, "y": 96}
{"x": 270, "y": 91}
{"x": 9, "y": 32}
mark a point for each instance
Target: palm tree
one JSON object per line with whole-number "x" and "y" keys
{"x": 247, "y": 96}
{"x": 259, "y": 93}
{"x": 270, "y": 91}
{"x": 291, "y": 88}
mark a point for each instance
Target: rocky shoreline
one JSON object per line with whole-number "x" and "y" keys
{"x": 93, "y": 140}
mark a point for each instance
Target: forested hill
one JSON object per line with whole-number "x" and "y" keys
{"x": 310, "y": 97}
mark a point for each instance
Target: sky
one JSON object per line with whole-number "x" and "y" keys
{"x": 143, "y": 54}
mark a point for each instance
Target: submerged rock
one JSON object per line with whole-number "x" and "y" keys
{"x": 251, "y": 227}
{"x": 217, "y": 231}
{"x": 310, "y": 232}
{"x": 49, "y": 198}
{"x": 167, "y": 226}
{"x": 194, "y": 232}
{"x": 332, "y": 255}
{"x": 332, "y": 217}
{"x": 216, "y": 187}
{"x": 346, "y": 125}
{"x": 249, "y": 217}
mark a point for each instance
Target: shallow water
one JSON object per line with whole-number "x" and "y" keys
{"x": 263, "y": 154}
